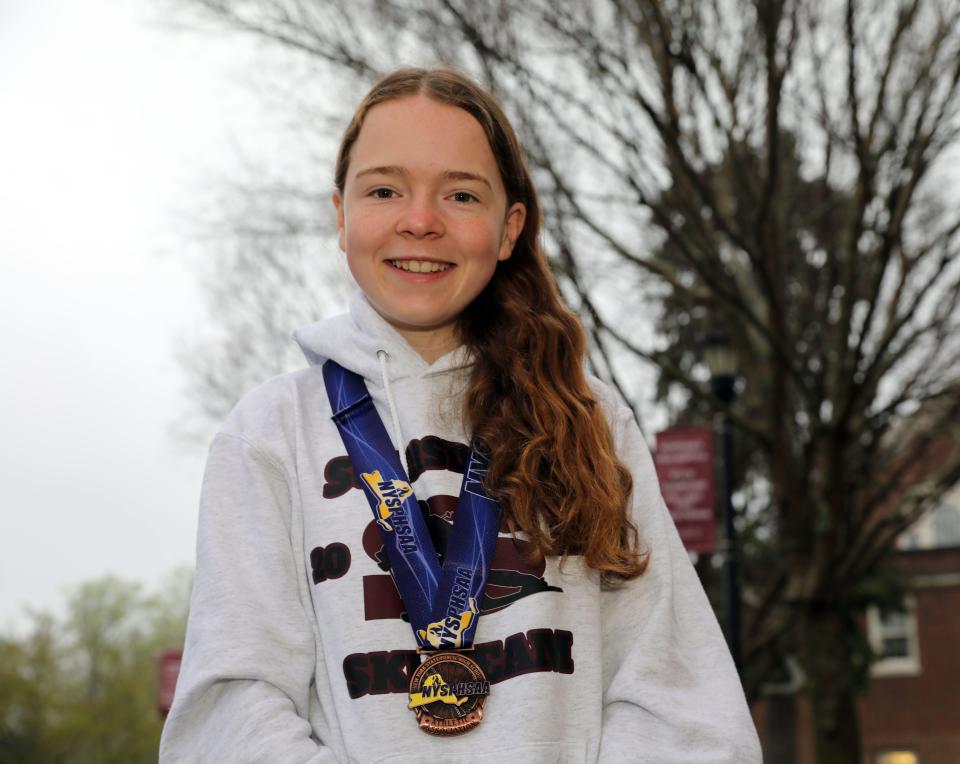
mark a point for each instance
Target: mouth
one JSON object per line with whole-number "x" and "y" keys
{"x": 420, "y": 266}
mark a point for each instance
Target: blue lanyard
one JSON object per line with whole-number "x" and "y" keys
{"x": 443, "y": 604}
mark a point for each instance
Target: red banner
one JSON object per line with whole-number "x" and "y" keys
{"x": 684, "y": 460}
{"x": 168, "y": 668}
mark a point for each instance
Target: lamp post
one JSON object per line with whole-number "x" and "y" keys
{"x": 721, "y": 358}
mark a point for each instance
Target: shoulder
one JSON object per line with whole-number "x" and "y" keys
{"x": 269, "y": 416}
{"x": 629, "y": 440}
{"x": 616, "y": 411}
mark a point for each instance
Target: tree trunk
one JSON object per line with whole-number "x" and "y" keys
{"x": 829, "y": 658}
{"x": 780, "y": 729}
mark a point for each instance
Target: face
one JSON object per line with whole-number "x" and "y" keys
{"x": 423, "y": 218}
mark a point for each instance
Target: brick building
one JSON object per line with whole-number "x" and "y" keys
{"x": 910, "y": 714}
{"x": 913, "y": 703}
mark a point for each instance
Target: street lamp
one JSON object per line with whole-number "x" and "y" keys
{"x": 721, "y": 358}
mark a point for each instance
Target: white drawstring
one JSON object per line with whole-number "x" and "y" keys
{"x": 397, "y": 434}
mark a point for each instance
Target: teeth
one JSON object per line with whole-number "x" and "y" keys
{"x": 419, "y": 266}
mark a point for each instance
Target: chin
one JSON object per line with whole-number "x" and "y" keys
{"x": 420, "y": 321}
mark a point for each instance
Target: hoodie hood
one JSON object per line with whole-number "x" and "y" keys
{"x": 355, "y": 339}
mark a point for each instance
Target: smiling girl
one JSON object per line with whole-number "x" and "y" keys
{"x": 443, "y": 525}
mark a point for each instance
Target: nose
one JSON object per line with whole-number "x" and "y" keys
{"x": 420, "y": 218}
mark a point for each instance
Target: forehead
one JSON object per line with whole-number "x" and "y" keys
{"x": 423, "y": 135}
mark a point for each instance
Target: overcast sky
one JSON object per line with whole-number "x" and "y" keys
{"x": 109, "y": 123}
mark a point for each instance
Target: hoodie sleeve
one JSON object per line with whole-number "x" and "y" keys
{"x": 671, "y": 693}
{"x": 249, "y": 658}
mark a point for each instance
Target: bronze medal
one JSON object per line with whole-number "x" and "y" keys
{"x": 447, "y": 692}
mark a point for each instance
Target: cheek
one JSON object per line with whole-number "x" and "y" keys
{"x": 364, "y": 231}
{"x": 355, "y": 237}
{"x": 360, "y": 267}
{"x": 482, "y": 241}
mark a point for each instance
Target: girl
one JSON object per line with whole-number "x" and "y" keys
{"x": 567, "y": 624}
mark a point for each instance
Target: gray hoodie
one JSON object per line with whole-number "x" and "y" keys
{"x": 296, "y": 650}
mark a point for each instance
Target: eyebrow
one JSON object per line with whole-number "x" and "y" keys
{"x": 461, "y": 175}
{"x": 382, "y": 170}
{"x": 401, "y": 171}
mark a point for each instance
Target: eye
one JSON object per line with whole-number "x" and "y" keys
{"x": 463, "y": 196}
{"x": 383, "y": 193}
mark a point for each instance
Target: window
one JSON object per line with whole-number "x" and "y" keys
{"x": 898, "y": 757}
{"x": 893, "y": 636}
{"x": 938, "y": 528}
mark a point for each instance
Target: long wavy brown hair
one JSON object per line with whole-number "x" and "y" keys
{"x": 552, "y": 461}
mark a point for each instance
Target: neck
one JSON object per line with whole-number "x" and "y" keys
{"x": 431, "y": 344}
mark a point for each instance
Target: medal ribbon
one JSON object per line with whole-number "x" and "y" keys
{"x": 443, "y": 604}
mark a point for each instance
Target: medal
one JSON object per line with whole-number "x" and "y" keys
{"x": 448, "y": 690}
{"x": 447, "y": 693}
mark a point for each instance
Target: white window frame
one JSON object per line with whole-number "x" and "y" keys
{"x": 908, "y": 665}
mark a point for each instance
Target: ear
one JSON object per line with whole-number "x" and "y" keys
{"x": 337, "y": 199}
{"x": 513, "y": 225}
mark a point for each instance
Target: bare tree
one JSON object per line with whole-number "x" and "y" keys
{"x": 266, "y": 264}
{"x": 775, "y": 168}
